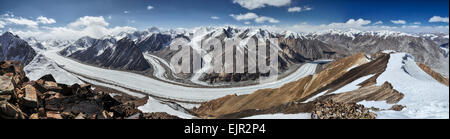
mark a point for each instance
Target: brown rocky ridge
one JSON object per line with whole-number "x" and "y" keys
{"x": 438, "y": 77}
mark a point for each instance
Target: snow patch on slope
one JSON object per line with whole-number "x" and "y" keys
{"x": 41, "y": 66}
{"x": 316, "y": 96}
{"x": 353, "y": 85}
{"x": 376, "y": 104}
{"x": 424, "y": 96}
{"x": 153, "y": 105}
{"x": 388, "y": 51}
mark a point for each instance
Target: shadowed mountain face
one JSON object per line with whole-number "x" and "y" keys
{"x": 108, "y": 53}
{"x": 155, "y": 42}
{"x": 14, "y": 48}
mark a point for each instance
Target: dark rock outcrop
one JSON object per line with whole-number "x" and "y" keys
{"x": 333, "y": 110}
{"x": 157, "y": 115}
{"x": 47, "y": 99}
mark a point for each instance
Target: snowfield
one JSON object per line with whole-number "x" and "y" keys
{"x": 156, "y": 106}
{"x": 424, "y": 96}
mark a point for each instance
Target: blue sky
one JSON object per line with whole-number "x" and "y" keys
{"x": 193, "y": 13}
{"x": 190, "y": 13}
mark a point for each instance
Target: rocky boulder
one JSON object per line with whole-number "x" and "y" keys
{"x": 158, "y": 115}
{"x": 31, "y": 97}
{"x": 6, "y": 86}
{"x": 9, "y": 111}
{"x": 331, "y": 110}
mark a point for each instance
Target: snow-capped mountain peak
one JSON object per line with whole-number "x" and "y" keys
{"x": 9, "y": 35}
{"x": 154, "y": 30}
{"x": 14, "y": 48}
{"x": 353, "y": 33}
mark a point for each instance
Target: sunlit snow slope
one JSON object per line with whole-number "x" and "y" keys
{"x": 41, "y": 66}
{"x": 424, "y": 96}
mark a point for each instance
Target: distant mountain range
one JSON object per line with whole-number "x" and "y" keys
{"x": 296, "y": 48}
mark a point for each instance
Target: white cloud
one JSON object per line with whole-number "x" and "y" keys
{"x": 45, "y": 20}
{"x": 254, "y": 4}
{"x": 23, "y": 21}
{"x": 10, "y": 19}
{"x": 358, "y": 22}
{"x": 2, "y": 24}
{"x": 247, "y": 23}
{"x": 88, "y": 21}
{"x": 295, "y": 9}
{"x": 299, "y": 9}
{"x": 363, "y": 25}
{"x": 263, "y": 19}
{"x": 5, "y": 15}
{"x": 351, "y": 23}
{"x": 126, "y": 12}
{"x": 247, "y": 16}
{"x": 110, "y": 17}
{"x": 417, "y": 23}
{"x": 411, "y": 26}
{"x": 215, "y": 17}
{"x": 378, "y": 23}
{"x": 255, "y": 17}
{"x": 150, "y": 7}
{"x": 438, "y": 19}
{"x": 95, "y": 27}
{"x": 398, "y": 21}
